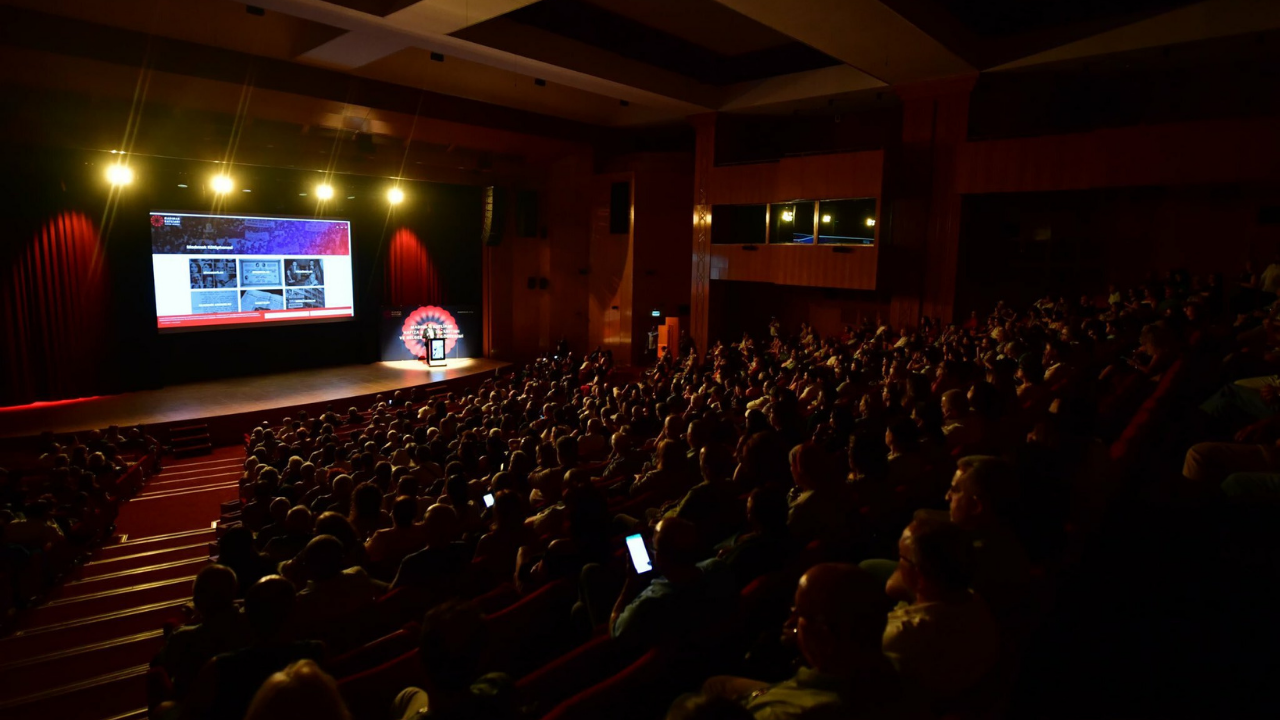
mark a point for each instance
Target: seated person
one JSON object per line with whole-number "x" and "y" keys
{"x": 220, "y": 628}
{"x": 442, "y": 561}
{"x": 671, "y": 479}
{"x": 838, "y": 622}
{"x": 301, "y": 690}
{"x": 593, "y": 445}
{"x": 982, "y": 497}
{"x": 297, "y": 533}
{"x": 941, "y": 637}
{"x": 683, "y": 595}
{"x": 452, "y": 648}
{"x": 388, "y": 547}
{"x": 228, "y": 682}
{"x": 767, "y": 546}
{"x": 279, "y": 512}
{"x": 235, "y": 550}
{"x": 824, "y": 510}
{"x": 626, "y": 459}
{"x": 327, "y": 605}
{"x": 548, "y": 483}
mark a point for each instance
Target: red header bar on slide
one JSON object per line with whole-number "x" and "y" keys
{"x": 240, "y": 318}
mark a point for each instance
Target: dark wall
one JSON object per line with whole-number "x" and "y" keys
{"x": 42, "y": 183}
{"x": 1019, "y": 246}
{"x": 738, "y": 307}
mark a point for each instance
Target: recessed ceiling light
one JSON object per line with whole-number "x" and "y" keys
{"x": 181, "y": 185}
{"x": 246, "y": 190}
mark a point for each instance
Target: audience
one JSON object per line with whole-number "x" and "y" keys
{"x": 751, "y": 462}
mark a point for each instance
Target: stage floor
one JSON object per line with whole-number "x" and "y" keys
{"x": 233, "y": 396}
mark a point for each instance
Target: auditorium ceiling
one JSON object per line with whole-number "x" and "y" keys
{"x": 635, "y": 63}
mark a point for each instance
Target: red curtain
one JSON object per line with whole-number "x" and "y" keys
{"x": 55, "y": 313}
{"x": 411, "y": 277}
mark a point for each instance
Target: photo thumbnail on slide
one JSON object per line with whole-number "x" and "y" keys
{"x": 210, "y": 273}
{"x": 214, "y": 301}
{"x": 304, "y": 298}
{"x": 303, "y": 272}
{"x": 260, "y": 273}
{"x": 254, "y": 300}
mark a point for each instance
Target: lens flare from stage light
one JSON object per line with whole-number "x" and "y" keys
{"x": 119, "y": 174}
{"x": 222, "y": 184}
{"x": 395, "y": 196}
{"x": 324, "y": 191}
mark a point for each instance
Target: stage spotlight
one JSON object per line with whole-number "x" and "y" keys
{"x": 871, "y": 222}
{"x": 323, "y": 191}
{"x": 222, "y": 184}
{"x": 826, "y": 218}
{"x": 119, "y": 174}
{"x": 788, "y": 216}
{"x": 395, "y": 196}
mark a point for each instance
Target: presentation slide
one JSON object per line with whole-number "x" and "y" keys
{"x": 216, "y": 271}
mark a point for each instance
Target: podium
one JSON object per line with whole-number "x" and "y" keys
{"x": 435, "y": 352}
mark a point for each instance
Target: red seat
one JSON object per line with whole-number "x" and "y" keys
{"x": 589, "y": 663}
{"x": 522, "y": 634}
{"x": 369, "y": 694}
{"x": 375, "y": 653}
{"x": 630, "y": 693}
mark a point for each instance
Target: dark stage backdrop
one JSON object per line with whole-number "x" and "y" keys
{"x": 77, "y": 309}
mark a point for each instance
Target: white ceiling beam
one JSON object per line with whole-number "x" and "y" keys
{"x": 1202, "y": 21}
{"x": 396, "y": 34}
{"x": 823, "y": 82}
{"x": 866, "y": 34}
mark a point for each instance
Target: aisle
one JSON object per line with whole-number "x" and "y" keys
{"x": 83, "y": 653}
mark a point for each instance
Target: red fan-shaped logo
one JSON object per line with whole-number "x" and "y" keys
{"x": 429, "y": 321}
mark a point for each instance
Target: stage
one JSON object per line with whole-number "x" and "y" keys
{"x": 232, "y": 405}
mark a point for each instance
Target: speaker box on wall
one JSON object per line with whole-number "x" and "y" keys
{"x": 620, "y": 208}
{"x": 494, "y": 215}
{"x": 527, "y": 213}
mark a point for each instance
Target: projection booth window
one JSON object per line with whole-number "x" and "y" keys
{"x": 847, "y": 222}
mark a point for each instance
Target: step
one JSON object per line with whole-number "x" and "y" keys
{"x": 29, "y": 675}
{"x": 188, "y": 430}
{"x": 201, "y": 449}
{"x": 174, "y": 591}
{"x": 108, "y": 695}
{"x": 133, "y": 546}
{"x": 195, "y": 547}
{"x": 126, "y": 578}
{"x": 228, "y": 455}
{"x": 30, "y": 642}
{"x": 188, "y": 482}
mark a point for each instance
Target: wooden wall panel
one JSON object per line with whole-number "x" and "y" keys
{"x": 610, "y": 283}
{"x": 802, "y": 265}
{"x": 814, "y": 177}
{"x": 1175, "y": 154}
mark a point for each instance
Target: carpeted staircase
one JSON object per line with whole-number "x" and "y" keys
{"x": 83, "y": 653}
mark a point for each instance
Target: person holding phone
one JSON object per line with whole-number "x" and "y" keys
{"x": 679, "y": 596}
